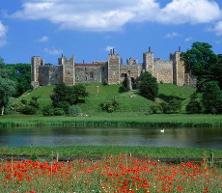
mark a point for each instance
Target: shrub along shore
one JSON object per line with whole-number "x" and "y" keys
{"x": 114, "y": 120}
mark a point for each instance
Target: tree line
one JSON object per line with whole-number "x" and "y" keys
{"x": 15, "y": 79}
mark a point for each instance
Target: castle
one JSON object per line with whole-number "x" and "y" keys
{"x": 112, "y": 71}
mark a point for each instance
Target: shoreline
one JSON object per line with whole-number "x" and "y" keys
{"x": 97, "y": 152}
{"x": 114, "y": 121}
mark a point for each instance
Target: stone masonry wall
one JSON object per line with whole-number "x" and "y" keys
{"x": 163, "y": 71}
{"x": 132, "y": 70}
{"x": 68, "y": 75}
{"x": 113, "y": 68}
{"x": 86, "y": 73}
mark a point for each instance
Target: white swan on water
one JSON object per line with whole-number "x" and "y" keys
{"x": 162, "y": 130}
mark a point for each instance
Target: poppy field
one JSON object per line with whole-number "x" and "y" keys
{"x": 113, "y": 174}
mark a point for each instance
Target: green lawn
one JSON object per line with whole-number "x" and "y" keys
{"x": 129, "y": 101}
{"x": 103, "y": 151}
{"x": 114, "y": 120}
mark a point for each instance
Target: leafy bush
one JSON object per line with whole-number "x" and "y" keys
{"x": 29, "y": 107}
{"x": 212, "y": 98}
{"x": 110, "y": 106}
{"x": 171, "y": 104}
{"x": 63, "y": 105}
{"x": 48, "y": 111}
{"x": 148, "y": 86}
{"x": 156, "y": 109}
{"x": 59, "y": 111}
{"x": 74, "y": 110}
{"x": 194, "y": 106}
{"x": 63, "y": 96}
{"x": 28, "y": 110}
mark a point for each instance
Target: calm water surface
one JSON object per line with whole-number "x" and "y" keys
{"x": 196, "y": 137}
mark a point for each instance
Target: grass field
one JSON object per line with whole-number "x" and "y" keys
{"x": 132, "y": 111}
{"x": 98, "y": 152}
{"x": 114, "y": 120}
{"x": 129, "y": 102}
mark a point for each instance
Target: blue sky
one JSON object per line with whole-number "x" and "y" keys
{"x": 88, "y": 28}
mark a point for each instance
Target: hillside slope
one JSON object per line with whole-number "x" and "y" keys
{"x": 129, "y": 102}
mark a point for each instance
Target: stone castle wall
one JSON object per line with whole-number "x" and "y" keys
{"x": 86, "y": 73}
{"x": 163, "y": 70}
{"x": 113, "y": 68}
{"x": 49, "y": 74}
{"x": 110, "y": 71}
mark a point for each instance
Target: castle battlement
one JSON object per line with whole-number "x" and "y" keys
{"x": 110, "y": 71}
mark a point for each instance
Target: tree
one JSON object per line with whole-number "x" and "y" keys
{"x": 63, "y": 96}
{"x": 29, "y": 107}
{"x": 212, "y": 98}
{"x": 216, "y": 70}
{"x": 148, "y": 86}
{"x": 199, "y": 60}
{"x": 7, "y": 89}
{"x": 171, "y": 104}
{"x": 194, "y": 105}
{"x": 21, "y": 74}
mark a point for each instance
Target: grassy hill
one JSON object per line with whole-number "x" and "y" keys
{"x": 129, "y": 102}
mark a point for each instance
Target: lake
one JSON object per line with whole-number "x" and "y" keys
{"x": 187, "y": 137}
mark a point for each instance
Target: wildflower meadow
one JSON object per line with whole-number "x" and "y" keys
{"x": 113, "y": 174}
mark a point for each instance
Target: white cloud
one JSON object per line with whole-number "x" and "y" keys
{"x": 53, "y": 51}
{"x": 3, "y": 31}
{"x": 43, "y": 39}
{"x": 172, "y": 35}
{"x": 190, "y": 11}
{"x": 110, "y": 15}
{"x": 188, "y": 39}
{"x": 218, "y": 28}
{"x": 108, "y": 48}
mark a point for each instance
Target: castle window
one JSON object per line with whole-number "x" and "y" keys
{"x": 91, "y": 75}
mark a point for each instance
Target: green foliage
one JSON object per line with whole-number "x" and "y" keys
{"x": 63, "y": 96}
{"x": 20, "y": 74}
{"x": 7, "y": 89}
{"x": 212, "y": 98}
{"x": 148, "y": 86}
{"x": 194, "y": 106}
{"x": 48, "y": 111}
{"x": 59, "y": 111}
{"x": 29, "y": 107}
{"x": 200, "y": 59}
{"x": 110, "y": 106}
{"x": 79, "y": 92}
{"x": 171, "y": 104}
{"x": 74, "y": 110}
{"x": 217, "y": 70}
{"x": 156, "y": 109}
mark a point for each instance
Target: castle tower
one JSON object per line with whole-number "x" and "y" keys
{"x": 113, "y": 68}
{"x": 37, "y": 61}
{"x": 148, "y": 61}
{"x": 178, "y": 69}
{"x": 68, "y": 70}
